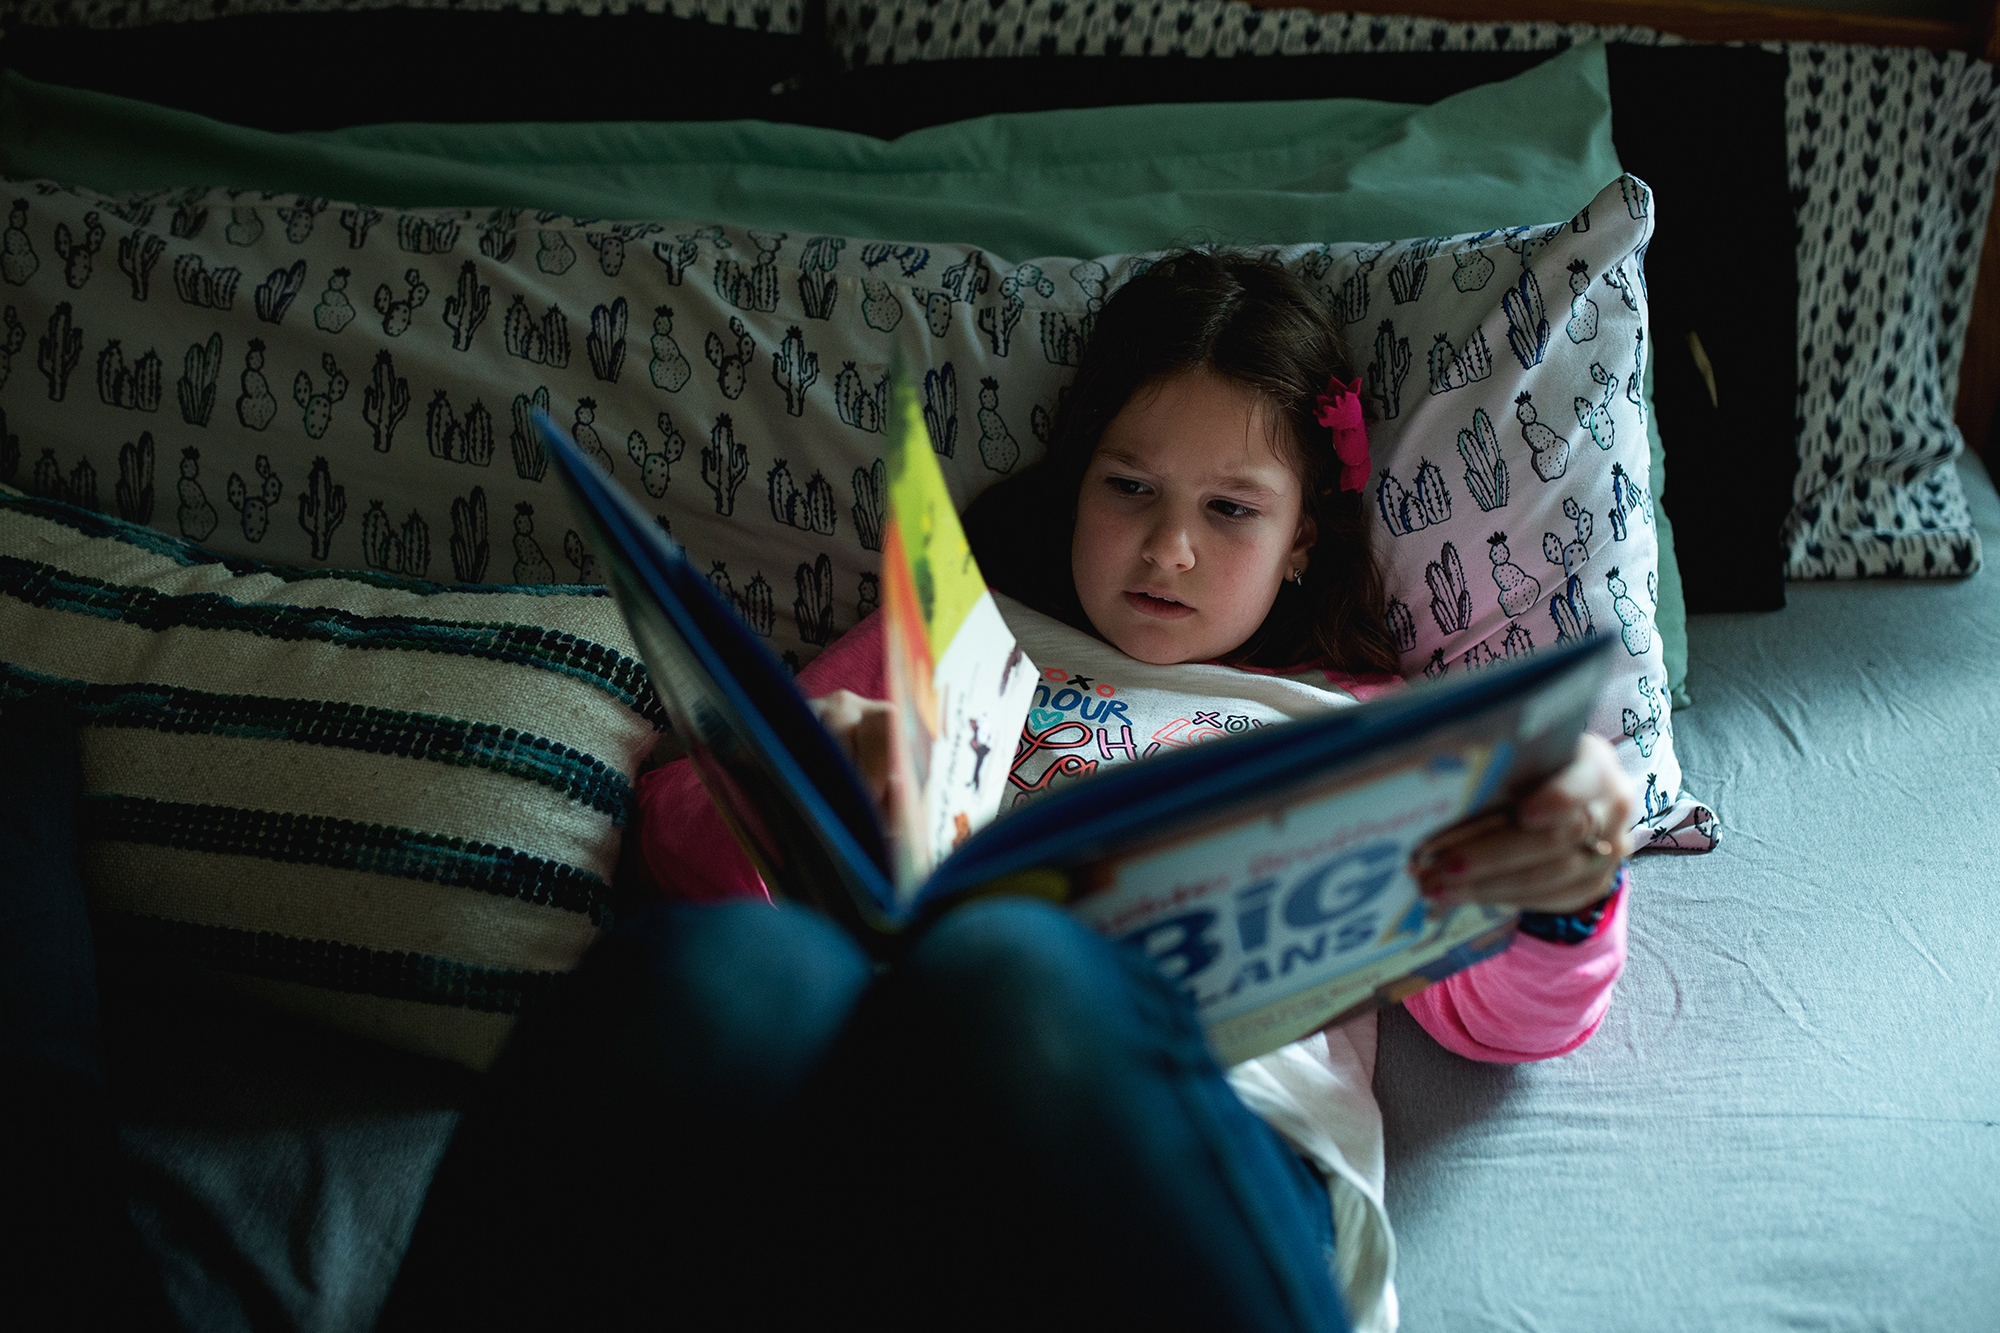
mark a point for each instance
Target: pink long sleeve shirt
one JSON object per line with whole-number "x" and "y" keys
{"x": 1536, "y": 1000}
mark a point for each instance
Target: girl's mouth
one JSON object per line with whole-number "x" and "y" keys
{"x": 1160, "y": 608}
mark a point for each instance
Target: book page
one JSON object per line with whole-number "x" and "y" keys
{"x": 958, "y": 681}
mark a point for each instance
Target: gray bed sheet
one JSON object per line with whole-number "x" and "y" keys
{"x": 1790, "y": 1118}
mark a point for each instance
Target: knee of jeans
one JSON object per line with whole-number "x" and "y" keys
{"x": 1041, "y": 997}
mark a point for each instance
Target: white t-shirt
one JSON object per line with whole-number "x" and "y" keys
{"x": 1095, "y": 706}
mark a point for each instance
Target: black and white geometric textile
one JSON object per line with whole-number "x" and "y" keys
{"x": 1892, "y": 156}
{"x": 762, "y": 15}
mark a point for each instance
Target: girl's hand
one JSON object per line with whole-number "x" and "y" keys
{"x": 1557, "y": 851}
{"x": 862, "y": 727}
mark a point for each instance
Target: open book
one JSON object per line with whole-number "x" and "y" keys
{"x": 1263, "y": 872}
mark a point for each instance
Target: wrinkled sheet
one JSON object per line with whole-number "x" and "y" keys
{"x": 1791, "y": 1117}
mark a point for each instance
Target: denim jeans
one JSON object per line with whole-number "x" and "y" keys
{"x": 732, "y": 1118}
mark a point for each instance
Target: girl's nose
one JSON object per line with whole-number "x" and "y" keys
{"x": 1167, "y": 547}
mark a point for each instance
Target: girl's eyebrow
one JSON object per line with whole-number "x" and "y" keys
{"x": 1230, "y": 481}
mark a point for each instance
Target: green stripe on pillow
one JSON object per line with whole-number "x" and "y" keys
{"x": 392, "y": 805}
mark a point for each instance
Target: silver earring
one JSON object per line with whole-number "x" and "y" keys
{"x": 1299, "y": 577}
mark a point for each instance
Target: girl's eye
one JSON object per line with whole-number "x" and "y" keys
{"x": 1126, "y": 486}
{"x": 1230, "y": 509}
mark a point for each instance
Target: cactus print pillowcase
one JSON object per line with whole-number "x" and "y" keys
{"x": 336, "y": 384}
{"x": 392, "y": 806}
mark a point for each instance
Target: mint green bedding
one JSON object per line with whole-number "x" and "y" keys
{"x": 1532, "y": 148}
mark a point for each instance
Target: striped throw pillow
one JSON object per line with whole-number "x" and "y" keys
{"x": 393, "y": 805}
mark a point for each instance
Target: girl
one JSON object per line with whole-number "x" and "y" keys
{"x": 1207, "y": 568}
{"x": 1019, "y": 1124}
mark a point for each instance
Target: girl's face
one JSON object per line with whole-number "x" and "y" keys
{"x": 1189, "y": 521}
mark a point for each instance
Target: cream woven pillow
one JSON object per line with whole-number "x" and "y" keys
{"x": 394, "y": 806}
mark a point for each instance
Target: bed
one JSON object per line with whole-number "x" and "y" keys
{"x": 1789, "y": 1117}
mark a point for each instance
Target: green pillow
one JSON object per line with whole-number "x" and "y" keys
{"x": 1102, "y": 181}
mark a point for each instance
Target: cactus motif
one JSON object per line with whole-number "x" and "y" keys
{"x": 384, "y": 402}
{"x": 1596, "y": 417}
{"x": 583, "y": 429}
{"x": 138, "y": 254}
{"x": 426, "y": 236}
{"x": 758, "y": 606}
{"x": 1644, "y": 731}
{"x": 530, "y": 565}
{"x": 1349, "y": 305}
{"x": 1406, "y": 512}
{"x": 940, "y": 407}
{"x": 200, "y": 369}
{"x": 1435, "y": 667}
{"x": 1638, "y": 199}
{"x": 861, "y": 406}
{"x": 497, "y": 234}
{"x": 868, "y": 596}
{"x": 655, "y": 464}
{"x": 1485, "y": 467}
{"x": 997, "y": 322}
{"x": 134, "y": 491}
{"x": 871, "y": 497}
{"x": 1412, "y": 267}
{"x": 254, "y": 511}
{"x": 322, "y": 506}
{"x": 1451, "y": 600}
{"x": 469, "y": 547}
{"x": 1479, "y": 656}
{"x": 1401, "y": 624}
{"x": 1519, "y": 589}
{"x": 969, "y": 279}
{"x": 1638, "y": 630}
{"x": 1388, "y": 369}
{"x": 334, "y": 311}
{"x": 255, "y": 407}
{"x": 1570, "y": 610}
{"x": 135, "y": 387}
{"x": 12, "y": 340}
{"x": 544, "y": 341}
{"x": 812, "y": 610}
{"x": 246, "y": 226}
{"x": 1656, "y": 802}
{"x": 1063, "y": 338}
{"x": 881, "y": 309}
{"x": 1527, "y": 320}
{"x": 396, "y": 313}
{"x": 610, "y": 245}
{"x": 818, "y": 288}
{"x": 318, "y": 407}
{"x": 1550, "y": 451}
{"x": 1617, "y": 280}
{"x": 669, "y": 368}
{"x": 274, "y": 295}
{"x": 1652, "y": 575}
{"x": 677, "y": 254}
{"x": 810, "y": 510}
{"x": 605, "y": 343}
{"x": 59, "y": 351}
{"x": 579, "y": 557}
{"x": 937, "y": 310}
{"x": 531, "y": 460}
{"x": 78, "y": 252}
{"x": 18, "y": 260}
{"x": 794, "y": 370}
{"x": 1518, "y": 643}
{"x": 1571, "y": 555}
{"x": 911, "y": 259}
{"x": 553, "y": 254}
{"x": 1471, "y": 270}
{"x": 79, "y": 489}
{"x": 465, "y": 310}
{"x": 356, "y": 221}
{"x": 724, "y": 464}
{"x": 997, "y": 447}
{"x": 299, "y": 218}
{"x": 756, "y": 287}
{"x": 1635, "y": 383}
{"x": 1628, "y": 497}
{"x": 384, "y": 548}
{"x": 467, "y": 439}
{"x": 1582, "y": 325}
{"x": 1454, "y": 368}
{"x": 199, "y": 285}
{"x": 732, "y": 368}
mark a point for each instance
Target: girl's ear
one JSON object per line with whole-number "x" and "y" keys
{"x": 1308, "y": 538}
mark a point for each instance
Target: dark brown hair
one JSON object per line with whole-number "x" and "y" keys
{"x": 1248, "y": 320}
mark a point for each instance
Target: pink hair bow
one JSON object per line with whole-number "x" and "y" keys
{"x": 1340, "y": 411}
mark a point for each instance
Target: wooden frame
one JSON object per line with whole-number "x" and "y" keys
{"x": 1978, "y": 407}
